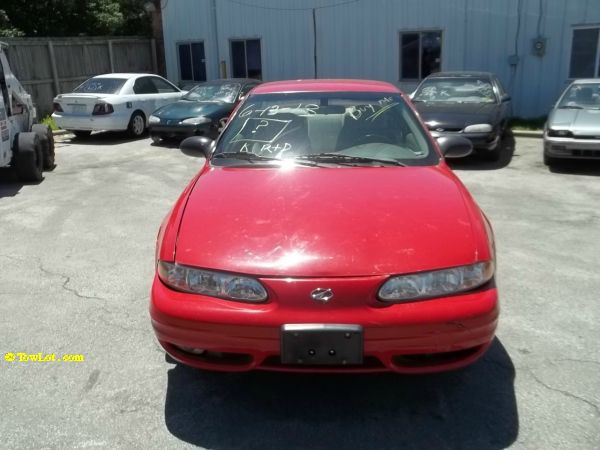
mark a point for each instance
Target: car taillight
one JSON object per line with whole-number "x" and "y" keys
{"x": 102, "y": 108}
{"x": 56, "y": 107}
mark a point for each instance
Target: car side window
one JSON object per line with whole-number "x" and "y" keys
{"x": 162, "y": 86}
{"x": 144, "y": 85}
{"x": 501, "y": 89}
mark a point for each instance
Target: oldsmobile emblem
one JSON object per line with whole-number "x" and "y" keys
{"x": 322, "y": 295}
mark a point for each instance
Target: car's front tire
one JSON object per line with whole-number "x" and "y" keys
{"x": 549, "y": 161}
{"x": 81, "y": 134}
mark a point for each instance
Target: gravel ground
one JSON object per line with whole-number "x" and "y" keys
{"x": 76, "y": 263}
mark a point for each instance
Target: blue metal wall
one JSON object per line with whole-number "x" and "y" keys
{"x": 360, "y": 39}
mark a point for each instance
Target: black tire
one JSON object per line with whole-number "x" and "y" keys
{"x": 29, "y": 158}
{"x": 549, "y": 161}
{"x": 491, "y": 155}
{"x": 81, "y": 134}
{"x": 47, "y": 142}
{"x": 137, "y": 124}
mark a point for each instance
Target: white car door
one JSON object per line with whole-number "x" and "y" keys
{"x": 146, "y": 95}
{"x": 166, "y": 92}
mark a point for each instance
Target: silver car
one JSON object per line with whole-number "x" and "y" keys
{"x": 573, "y": 127}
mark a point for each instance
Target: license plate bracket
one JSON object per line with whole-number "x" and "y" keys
{"x": 321, "y": 344}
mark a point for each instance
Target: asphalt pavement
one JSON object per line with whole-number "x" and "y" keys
{"x": 76, "y": 265}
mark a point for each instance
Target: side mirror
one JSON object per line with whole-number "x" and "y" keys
{"x": 197, "y": 144}
{"x": 505, "y": 98}
{"x": 455, "y": 146}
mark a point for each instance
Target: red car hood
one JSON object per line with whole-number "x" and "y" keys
{"x": 312, "y": 222}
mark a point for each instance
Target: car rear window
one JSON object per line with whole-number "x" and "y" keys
{"x": 101, "y": 86}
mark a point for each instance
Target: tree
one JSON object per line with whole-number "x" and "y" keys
{"x": 74, "y": 18}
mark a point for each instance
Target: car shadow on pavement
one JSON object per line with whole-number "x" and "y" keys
{"x": 577, "y": 167}
{"x": 477, "y": 162}
{"x": 471, "y": 408}
{"x": 10, "y": 184}
{"x": 104, "y": 138}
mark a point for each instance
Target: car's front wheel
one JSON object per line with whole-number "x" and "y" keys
{"x": 549, "y": 161}
{"x": 137, "y": 124}
{"x": 80, "y": 134}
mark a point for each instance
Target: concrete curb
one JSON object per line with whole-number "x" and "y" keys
{"x": 528, "y": 133}
{"x": 59, "y": 132}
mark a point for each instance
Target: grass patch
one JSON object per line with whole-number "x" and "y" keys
{"x": 49, "y": 120}
{"x": 534, "y": 124}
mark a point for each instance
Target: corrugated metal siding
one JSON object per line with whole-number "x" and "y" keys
{"x": 361, "y": 39}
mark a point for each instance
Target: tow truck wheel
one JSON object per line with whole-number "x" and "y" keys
{"x": 47, "y": 142}
{"x": 29, "y": 158}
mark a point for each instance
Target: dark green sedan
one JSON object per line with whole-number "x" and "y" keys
{"x": 203, "y": 111}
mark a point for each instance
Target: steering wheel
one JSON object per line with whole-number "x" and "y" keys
{"x": 373, "y": 138}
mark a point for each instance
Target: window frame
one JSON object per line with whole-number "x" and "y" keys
{"x": 245, "y": 40}
{"x": 420, "y": 32}
{"x": 597, "y": 57}
{"x": 189, "y": 43}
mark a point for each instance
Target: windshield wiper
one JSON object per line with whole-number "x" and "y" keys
{"x": 570, "y": 107}
{"x": 341, "y": 158}
{"x": 253, "y": 158}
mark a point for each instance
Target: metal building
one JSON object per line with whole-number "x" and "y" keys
{"x": 534, "y": 46}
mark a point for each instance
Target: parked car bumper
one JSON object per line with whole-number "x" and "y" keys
{"x": 109, "y": 122}
{"x": 417, "y": 337}
{"x": 181, "y": 131}
{"x": 480, "y": 141}
{"x": 557, "y": 147}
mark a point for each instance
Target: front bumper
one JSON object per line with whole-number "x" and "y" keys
{"x": 109, "y": 122}
{"x": 571, "y": 148}
{"x": 480, "y": 141}
{"x": 418, "y": 337}
{"x": 182, "y": 130}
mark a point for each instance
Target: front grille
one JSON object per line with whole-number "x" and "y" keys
{"x": 274, "y": 362}
{"x": 446, "y": 129}
{"x": 586, "y": 153}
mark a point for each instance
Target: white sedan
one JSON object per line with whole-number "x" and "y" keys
{"x": 115, "y": 101}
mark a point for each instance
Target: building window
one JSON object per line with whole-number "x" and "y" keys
{"x": 585, "y": 53}
{"x": 192, "y": 65}
{"x": 420, "y": 54}
{"x": 246, "y": 59}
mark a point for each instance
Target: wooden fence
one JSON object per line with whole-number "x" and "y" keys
{"x": 47, "y": 67}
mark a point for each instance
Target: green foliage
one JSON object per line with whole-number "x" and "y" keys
{"x": 74, "y": 18}
{"x": 49, "y": 120}
{"x": 534, "y": 124}
{"x": 6, "y": 29}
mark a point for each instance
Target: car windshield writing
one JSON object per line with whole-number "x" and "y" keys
{"x": 582, "y": 96}
{"x": 101, "y": 86}
{"x": 458, "y": 90}
{"x": 223, "y": 92}
{"x": 372, "y": 125}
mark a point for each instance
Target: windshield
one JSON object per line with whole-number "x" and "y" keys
{"x": 101, "y": 86}
{"x": 457, "y": 90}
{"x": 346, "y": 128}
{"x": 581, "y": 96}
{"x": 214, "y": 92}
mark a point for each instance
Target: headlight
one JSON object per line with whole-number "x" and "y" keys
{"x": 153, "y": 119}
{"x": 196, "y": 120}
{"x": 213, "y": 284}
{"x": 479, "y": 128}
{"x": 559, "y": 133}
{"x": 437, "y": 283}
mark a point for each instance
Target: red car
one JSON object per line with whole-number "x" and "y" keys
{"x": 325, "y": 233}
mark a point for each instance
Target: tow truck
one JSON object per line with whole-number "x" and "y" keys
{"x": 25, "y": 145}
